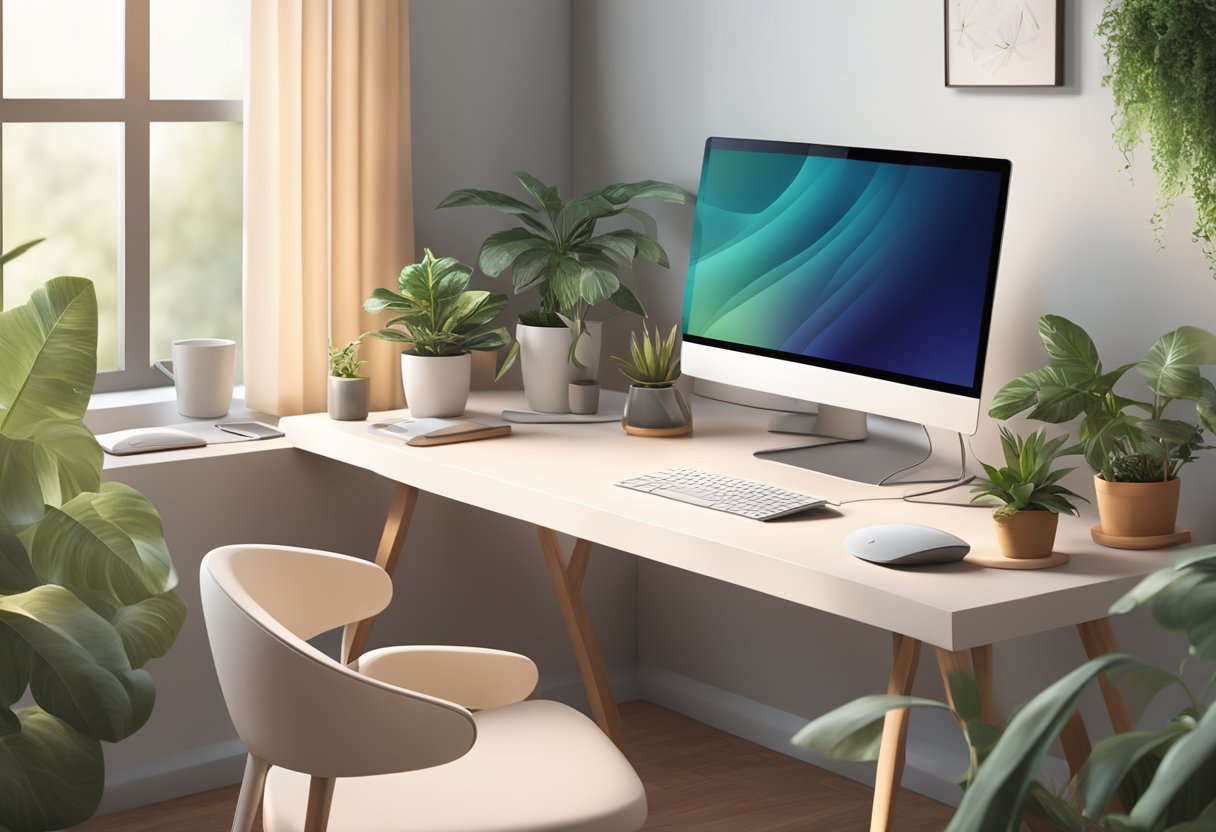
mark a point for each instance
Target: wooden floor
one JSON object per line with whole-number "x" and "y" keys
{"x": 697, "y": 778}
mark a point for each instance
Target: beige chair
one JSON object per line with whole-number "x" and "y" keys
{"x": 410, "y": 738}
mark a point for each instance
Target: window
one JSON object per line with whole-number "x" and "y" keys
{"x": 121, "y": 143}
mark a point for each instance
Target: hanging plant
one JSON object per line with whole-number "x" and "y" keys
{"x": 1162, "y": 58}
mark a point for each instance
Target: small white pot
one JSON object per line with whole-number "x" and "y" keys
{"x": 543, "y": 357}
{"x": 436, "y": 385}
{"x": 348, "y": 398}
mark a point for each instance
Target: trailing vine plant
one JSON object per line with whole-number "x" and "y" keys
{"x": 1162, "y": 58}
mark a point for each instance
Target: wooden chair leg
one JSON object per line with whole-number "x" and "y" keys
{"x": 320, "y": 798}
{"x": 250, "y": 798}
{"x": 396, "y": 524}
{"x": 894, "y": 733}
{"x": 582, "y": 637}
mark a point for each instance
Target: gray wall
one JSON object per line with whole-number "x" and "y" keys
{"x": 653, "y": 79}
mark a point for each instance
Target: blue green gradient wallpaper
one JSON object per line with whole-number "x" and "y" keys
{"x": 883, "y": 268}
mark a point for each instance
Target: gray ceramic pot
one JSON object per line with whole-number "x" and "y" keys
{"x": 348, "y": 398}
{"x": 656, "y": 411}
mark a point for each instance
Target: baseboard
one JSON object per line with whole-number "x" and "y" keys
{"x": 154, "y": 779}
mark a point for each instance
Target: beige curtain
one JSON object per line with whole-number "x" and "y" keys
{"x": 328, "y": 213}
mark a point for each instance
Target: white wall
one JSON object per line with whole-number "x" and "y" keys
{"x": 653, "y": 79}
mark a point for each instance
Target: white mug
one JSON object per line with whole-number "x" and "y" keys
{"x": 203, "y": 370}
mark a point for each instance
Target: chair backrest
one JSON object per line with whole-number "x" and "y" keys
{"x": 292, "y": 705}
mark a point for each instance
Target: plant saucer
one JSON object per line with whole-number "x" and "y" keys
{"x": 1152, "y": 541}
{"x": 1002, "y": 562}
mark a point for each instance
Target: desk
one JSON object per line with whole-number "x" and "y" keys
{"x": 560, "y": 479}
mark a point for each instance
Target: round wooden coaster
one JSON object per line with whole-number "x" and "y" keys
{"x": 1156, "y": 541}
{"x": 1002, "y": 562}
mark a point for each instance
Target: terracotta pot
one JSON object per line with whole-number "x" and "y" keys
{"x": 1027, "y": 534}
{"x": 1138, "y": 509}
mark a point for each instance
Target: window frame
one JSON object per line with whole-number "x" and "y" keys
{"x": 135, "y": 112}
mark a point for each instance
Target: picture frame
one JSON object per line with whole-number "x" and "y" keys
{"x": 1004, "y": 43}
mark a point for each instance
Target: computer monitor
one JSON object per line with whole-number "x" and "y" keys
{"x": 857, "y": 278}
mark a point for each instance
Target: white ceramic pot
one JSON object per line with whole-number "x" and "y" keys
{"x": 436, "y": 385}
{"x": 544, "y": 359}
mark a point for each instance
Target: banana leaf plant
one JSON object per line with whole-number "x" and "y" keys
{"x": 557, "y": 251}
{"x": 87, "y": 592}
{"x": 1160, "y": 779}
{"x": 1123, "y": 439}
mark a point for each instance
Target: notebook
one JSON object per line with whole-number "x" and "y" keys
{"x": 425, "y": 432}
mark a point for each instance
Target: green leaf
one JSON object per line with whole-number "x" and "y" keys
{"x": 149, "y": 628}
{"x": 16, "y": 573}
{"x": 649, "y": 189}
{"x": 1055, "y": 393}
{"x": 54, "y": 462}
{"x": 49, "y": 346}
{"x": 1067, "y": 342}
{"x": 546, "y": 195}
{"x": 17, "y": 251}
{"x": 79, "y": 671}
{"x": 624, "y": 298}
{"x": 1171, "y": 366}
{"x": 596, "y": 284}
{"x": 854, "y": 731}
{"x": 490, "y": 199}
{"x": 649, "y": 249}
{"x": 529, "y": 267}
{"x": 1185, "y": 757}
{"x": 1113, "y": 758}
{"x": 502, "y": 249}
{"x": 51, "y": 776}
{"x": 621, "y": 245}
{"x": 108, "y": 548}
{"x": 507, "y": 361}
{"x": 994, "y": 798}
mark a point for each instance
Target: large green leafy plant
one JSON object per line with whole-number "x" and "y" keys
{"x": 557, "y": 251}
{"x": 86, "y": 584}
{"x": 1160, "y": 779}
{"x": 1162, "y": 55}
{"x": 1123, "y": 439}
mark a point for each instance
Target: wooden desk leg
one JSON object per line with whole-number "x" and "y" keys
{"x": 396, "y": 524}
{"x": 1099, "y": 639}
{"x": 949, "y": 661}
{"x": 1074, "y": 739}
{"x": 894, "y": 733}
{"x": 566, "y": 584}
{"x": 981, "y": 663}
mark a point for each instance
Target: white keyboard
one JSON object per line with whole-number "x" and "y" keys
{"x": 722, "y": 493}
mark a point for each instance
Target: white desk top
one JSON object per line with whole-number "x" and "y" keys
{"x": 561, "y": 476}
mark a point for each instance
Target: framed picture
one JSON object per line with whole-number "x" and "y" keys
{"x": 1004, "y": 43}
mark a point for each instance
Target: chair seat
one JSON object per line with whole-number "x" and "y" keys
{"x": 535, "y": 766}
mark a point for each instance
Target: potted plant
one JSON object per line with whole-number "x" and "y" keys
{"x": 1029, "y": 492}
{"x": 445, "y": 322}
{"x": 349, "y": 392}
{"x": 1153, "y": 778}
{"x": 1161, "y": 56}
{"x": 1134, "y": 450}
{"x": 87, "y": 587}
{"x": 555, "y": 250}
{"x": 655, "y": 406}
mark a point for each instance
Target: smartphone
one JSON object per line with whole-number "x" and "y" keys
{"x": 250, "y": 430}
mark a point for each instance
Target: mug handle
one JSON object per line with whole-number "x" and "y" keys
{"x": 160, "y": 365}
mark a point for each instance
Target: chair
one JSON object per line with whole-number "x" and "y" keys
{"x": 408, "y": 738}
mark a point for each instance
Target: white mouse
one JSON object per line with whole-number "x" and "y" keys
{"x": 905, "y": 544}
{"x": 143, "y": 440}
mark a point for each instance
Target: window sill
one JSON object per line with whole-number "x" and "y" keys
{"x": 157, "y": 407}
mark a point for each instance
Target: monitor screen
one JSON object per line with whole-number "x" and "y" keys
{"x": 872, "y": 262}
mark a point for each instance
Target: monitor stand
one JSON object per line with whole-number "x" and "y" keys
{"x": 863, "y": 447}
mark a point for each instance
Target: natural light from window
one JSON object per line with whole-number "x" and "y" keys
{"x": 64, "y": 147}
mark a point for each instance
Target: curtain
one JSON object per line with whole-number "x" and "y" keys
{"x": 328, "y": 196}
